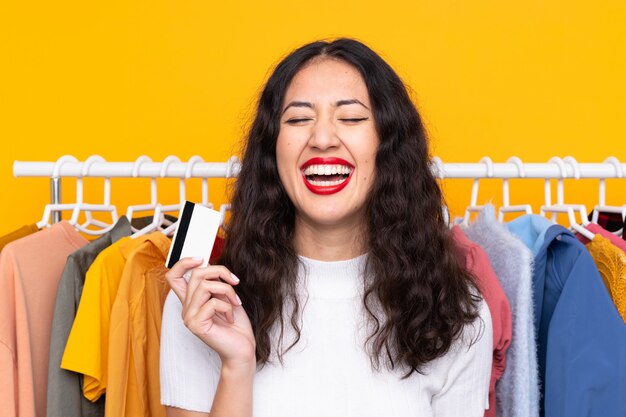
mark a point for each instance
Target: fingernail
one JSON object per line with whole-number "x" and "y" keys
{"x": 234, "y": 277}
{"x": 238, "y": 299}
{"x": 198, "y": 258}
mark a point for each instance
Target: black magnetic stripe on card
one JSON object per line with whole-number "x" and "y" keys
{"x": 181, "y": 234}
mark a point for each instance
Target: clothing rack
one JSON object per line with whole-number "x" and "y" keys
{"x": 172, "y": 167}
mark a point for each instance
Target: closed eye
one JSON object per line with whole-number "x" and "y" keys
{"x": 354, "y": 119}
{"x": 296, "y": 121}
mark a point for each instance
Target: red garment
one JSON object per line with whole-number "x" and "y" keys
{"x": 477, "y": 262}
{"x": 217, "y": 249}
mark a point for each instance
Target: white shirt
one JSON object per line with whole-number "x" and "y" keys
{"x": 328, "y": 372}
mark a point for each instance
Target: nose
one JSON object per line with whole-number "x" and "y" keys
{"x": 324, "y": 135}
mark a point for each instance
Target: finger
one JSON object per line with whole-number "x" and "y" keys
{"x": 219, "y": 272}
{"x": 182, "y": 266}
{"x": 202, "y": 320}
{"x": 217, "y": 307}
{"x": 213, "y": 289}
{"x": 212, "y": 272}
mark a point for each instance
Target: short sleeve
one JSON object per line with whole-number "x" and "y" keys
{"x": 466, "y": 388}
{"x": 190, "y": 370}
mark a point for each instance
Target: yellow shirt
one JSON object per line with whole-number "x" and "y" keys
{"x": 86, "y": 351}
{"x": 133, "y": 370}
{"x": 611, "y": 262}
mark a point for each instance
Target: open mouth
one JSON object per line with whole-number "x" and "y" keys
{"x": 326, "y": 175}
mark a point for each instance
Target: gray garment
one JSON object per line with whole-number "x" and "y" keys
{"x": 65, "y": 388}
{"x": 517, "y": 391}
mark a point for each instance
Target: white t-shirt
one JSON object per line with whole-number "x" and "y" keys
{"x": 328, "y": 372}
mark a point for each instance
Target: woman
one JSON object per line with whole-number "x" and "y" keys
{"x": 354, "y": 303}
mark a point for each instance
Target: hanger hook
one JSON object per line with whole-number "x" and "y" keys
{"x": 485, "y": 160}
{"x": 166, "y": 163}
{"x": 230, "y": 168}
{"x": 440, "y": 172}
{"x": 521, "y": 172}
{"x": 555, "y": 160}
{"x": 616, "y": 164}
{"x": 190, "y": 164}
{"x": 571, "y": 161}
{"x": 138, "y": 163}
{"x": 89, "y": 162}
{"x": 56, "y": 172}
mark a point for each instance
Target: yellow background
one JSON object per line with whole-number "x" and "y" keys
{"x": 121, "y": 79}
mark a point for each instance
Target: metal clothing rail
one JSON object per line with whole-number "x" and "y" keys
{"x": 172, "y": 167}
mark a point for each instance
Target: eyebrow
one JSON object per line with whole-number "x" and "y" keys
{"x": 312, "y": 106}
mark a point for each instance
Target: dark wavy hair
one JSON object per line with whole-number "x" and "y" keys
{"x": 417, "y": 282}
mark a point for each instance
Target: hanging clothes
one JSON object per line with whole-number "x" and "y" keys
{"x": 30, "y": 269}
{"x": 86, "y": 351}
{"x": 599, "y": 230}
{"x": 611, "y": 263}
{"x": 581, "y": 338}
{"x": 65, "y": 394}
{"x": 613, "y": 222}
{"x": 518, "y": 389}
{"x": 133, "y": 366}
{"x": 478, "y": 264}
{"x": 18, "y": 234}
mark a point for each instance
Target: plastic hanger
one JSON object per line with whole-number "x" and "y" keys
{"x": 473, "y": 207}
{"x": 153, "y": 205}
{"x": 601, "y": 206}
{"x": 158, "y": 219}
{"x": 54, "y": 207}
{"x": 506, "y": 208}
{"x": 560, "y": 206}
{"x": 205, "y": 192}
{"x": 88, "y": 209}
{"x": 439, "y": 172}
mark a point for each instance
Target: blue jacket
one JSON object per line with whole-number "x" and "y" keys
{"x": 581, "y": 337}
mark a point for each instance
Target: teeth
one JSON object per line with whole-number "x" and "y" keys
{"x": 327, "y": 183}
{"x": 327, "y": 170}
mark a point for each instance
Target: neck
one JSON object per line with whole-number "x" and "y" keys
{"x": 328, "y": 242}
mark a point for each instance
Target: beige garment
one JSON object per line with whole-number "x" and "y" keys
{"x": 611, "y": 262}
{"x": 30, "y": 269}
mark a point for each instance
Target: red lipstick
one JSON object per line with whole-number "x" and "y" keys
{"x": 326, "y": 189}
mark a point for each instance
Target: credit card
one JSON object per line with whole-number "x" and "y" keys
{"x": 195, "y": 234}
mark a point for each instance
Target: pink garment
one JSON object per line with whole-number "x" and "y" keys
{"x": 599, "y": 230}
{"x": 30, "y": 269}
{"x": 477, "y": 262}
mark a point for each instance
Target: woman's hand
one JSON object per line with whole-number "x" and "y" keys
{"x": 213, "y": 312}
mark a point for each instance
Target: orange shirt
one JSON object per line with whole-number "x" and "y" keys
{"x": 133, "y": 367}
{"x": 30, "y": 269}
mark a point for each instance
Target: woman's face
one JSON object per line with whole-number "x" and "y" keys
{"x": 327, "y": 144}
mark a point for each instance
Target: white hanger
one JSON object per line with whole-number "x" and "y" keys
{"x": 153, "y": 205}
{"x": 205, "y": 192}
{"x": 89, "y": 208}
{"x": 561, "y": 207}
{"x": 473, "y": 207}
{"x": 506, "y": 208}
{"x": 601, "y": 206}
{"x": 158, "y": 220}
{"x": 50, "y": 208}
{"x": 440, "y": 173}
